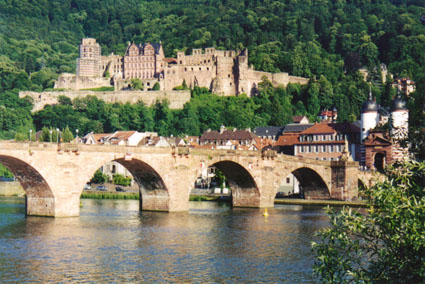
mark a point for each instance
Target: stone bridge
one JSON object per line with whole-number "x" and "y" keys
{"x": 53, "y": 175}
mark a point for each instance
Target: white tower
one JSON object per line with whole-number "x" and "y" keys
{"x": 399, "y": 129}
{"x": 400, "y": 118}
{"x": 369, "y": 117}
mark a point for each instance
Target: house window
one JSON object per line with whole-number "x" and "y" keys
{"x": 324, "y": 137}
{"x": 309, "y": 148}
{"x": 317, "y": 149}
{"x": 331, "y": 148}
{"x": 324, "y": 148}
{"x": 301, "y": 149}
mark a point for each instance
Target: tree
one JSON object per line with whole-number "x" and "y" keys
{"x": 136, "y": 84}
{"x": 99, "y": 177}
{"x": 67, "y": 135}
{"x": 119, "y": 179}
{"x": 385, "y": 243}
{"x": 156, "y": 87}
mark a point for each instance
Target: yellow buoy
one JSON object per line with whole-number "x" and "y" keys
{"x": 265, "y": 214}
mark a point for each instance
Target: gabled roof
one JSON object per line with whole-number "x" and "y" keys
{"x": 296, "y": 127}
{"x": 331, "y": 128}
{"x": 119, "y": 136}
{"x": 287, "y": 139}
{"x": 268, "y": 130}
{"x": 228, "y": 135}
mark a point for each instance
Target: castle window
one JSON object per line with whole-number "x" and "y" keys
{"x": 168, "y": 72}
{"x": 208, "y": 68}
{"x": 230, "y": 83}
{"x": 205, "y": 61}
{"x": 181, "y": 62}
{"x": 200, "y": 69}
{"x": 148, "y": 83}
{"x": 288, "y": 180}
{"x": 208, "y": 61}
{"x": 192, "y": 68}
{"x": 228, "y": 75}
{"x": 174, "y": 72}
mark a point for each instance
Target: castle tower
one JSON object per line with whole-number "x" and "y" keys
{"x": 369, "y": 117}
{"x": 89, "y": 62}
{"x": 399, "y": 127}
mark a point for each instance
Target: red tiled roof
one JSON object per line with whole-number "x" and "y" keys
{"x": 120, "y": 136}
{"x": 170, "y": 60}
{"x": 331, "y": 128}
{"x": 288, "y": 139}
{"x": 297, "y": 118}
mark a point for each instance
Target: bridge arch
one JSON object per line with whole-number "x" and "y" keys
{"x": 154, "y": 194}
{"x": 244, "y": 189}
{"x": 39, "y": 197}
{"x": 311, "y": 183}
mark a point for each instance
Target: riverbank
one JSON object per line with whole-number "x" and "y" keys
{"x": 109, "y": 195}
{"x": 288, "y": 201}
{"x": 296, "y": 201}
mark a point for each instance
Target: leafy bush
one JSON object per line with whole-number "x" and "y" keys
{"x": 121, "y": 180}
{"x": 99, "y": 177}
{"x": 385, "y": 244}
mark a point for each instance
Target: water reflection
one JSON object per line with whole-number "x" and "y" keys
{"x": 113, "y": 242}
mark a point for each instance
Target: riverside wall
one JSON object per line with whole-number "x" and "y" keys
{"x": 11, "y": 188}
{"x": 177, "y": 99}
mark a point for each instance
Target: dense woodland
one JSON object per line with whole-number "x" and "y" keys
{"x": 326, "y": 41}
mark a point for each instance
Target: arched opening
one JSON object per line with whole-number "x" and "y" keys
{"x": 39, "y": 197}
{"x": 228, "y": 179}
{"x": 311, "y": 184}
{"x": 379, "y": 162}
{"x": 289, "y": 188}
{"x": 139, "y": 178}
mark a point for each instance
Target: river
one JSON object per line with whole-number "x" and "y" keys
{"x": 112, "y": 242}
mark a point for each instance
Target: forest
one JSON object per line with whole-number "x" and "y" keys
{"x": 323, "y": 40}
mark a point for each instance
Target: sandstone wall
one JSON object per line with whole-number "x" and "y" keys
{"x": 176, "y": 98}
{"x": 10, "y": 188}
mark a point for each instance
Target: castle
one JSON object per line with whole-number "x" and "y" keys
{"x": 224, "y": 72}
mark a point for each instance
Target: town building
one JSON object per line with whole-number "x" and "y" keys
{"x": 234, "y": 139}
{"x": 224, "y": 72}
{"x": 121, "y": 138}
{"x": 404, "y": 85}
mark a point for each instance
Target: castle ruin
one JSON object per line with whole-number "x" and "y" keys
{"x": 224, "y": 72}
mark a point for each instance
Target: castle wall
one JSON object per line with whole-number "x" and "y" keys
{"x": 177, "y": 99}
{"x": 73, "y": 82}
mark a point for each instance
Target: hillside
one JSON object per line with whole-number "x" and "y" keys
{"x": 324, "y": 40}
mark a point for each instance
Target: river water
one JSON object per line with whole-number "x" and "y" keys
{"x": 112, "y": 242}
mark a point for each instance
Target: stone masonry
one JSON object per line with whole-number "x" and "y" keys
{"x": 53, "y": 175}
{"x": 177, "y": 99}
{"x": 224, "y": 72}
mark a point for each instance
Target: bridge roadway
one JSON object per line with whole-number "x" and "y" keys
{"x": 53, "y": 175}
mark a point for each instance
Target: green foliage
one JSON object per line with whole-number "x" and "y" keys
{"x": 101, "y": 89}
{"x": 110, "y": 195}
{"x": 136, "y": 84}
{"x": 67, "y": 135}
{"x": 99, "y": 177}
{"x": 156, "y": 87}
{"x": 4, "y": 172}
{"x": 119, "y": 179}
{"x": 326, "y": 41}
{"x": 386, "y": 243}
